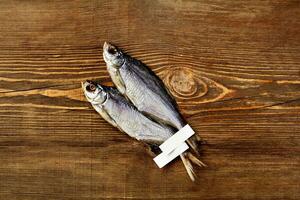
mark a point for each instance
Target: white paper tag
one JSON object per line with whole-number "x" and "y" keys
{"x": 179, "y": 137}
{"x": 164, "y": 158}
{"x": 174, "y": 146}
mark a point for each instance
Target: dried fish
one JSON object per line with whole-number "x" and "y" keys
{"x": 144, "y": 89}
{"x": 119, "y": 112}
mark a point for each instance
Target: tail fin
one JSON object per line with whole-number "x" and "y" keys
{"x": 188, "y": 158}
{"x": 193, "y": 143}
{"x": 188, "y": 166}
{"x": 195, "y": 160}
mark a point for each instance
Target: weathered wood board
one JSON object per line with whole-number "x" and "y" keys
{"x": 233, "y": 66}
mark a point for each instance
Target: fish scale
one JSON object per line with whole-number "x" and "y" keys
{"x": 137, "y": 94}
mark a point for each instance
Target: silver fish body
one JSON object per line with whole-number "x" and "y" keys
{"x": 119, "y": 112}
{"x": 122, "y": 114}
{"x": 144, "y": 89}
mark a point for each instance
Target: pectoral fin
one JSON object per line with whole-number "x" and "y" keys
{"x": 117, "y": 79}
{"x": 154, "y": 149}
{"x": 105, "y": 115}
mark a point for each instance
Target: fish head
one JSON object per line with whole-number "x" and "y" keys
{"x": 113, "y": 56}
{"x": 94, "y": 92}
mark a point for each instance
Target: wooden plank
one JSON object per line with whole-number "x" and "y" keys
{"x": 232, "y": 66}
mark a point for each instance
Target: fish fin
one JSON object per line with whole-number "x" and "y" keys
{"x": 107, "y": 117}
{"x": 199, "y": 139}
{"x": 104, "y": 114}
{"x": 117, "y": 79}
{"x": 195, "y": 160}
{"x": 120, "y": 83}
{"x": 188, "y": 166}
{"x": 188, "y": 158}
{"x": 150, "y": 149}
{"x": 193, "y": 143}
{"x": 154, "y": 148}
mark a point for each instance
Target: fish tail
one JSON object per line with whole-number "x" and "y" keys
{"x": 188, "y": 158}
{"x": 193, "y": 143}
{"x": 188, "y": 166}
{"x": 195, "y": 160}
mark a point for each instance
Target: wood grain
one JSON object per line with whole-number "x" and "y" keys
{"x": 233, "y": 66}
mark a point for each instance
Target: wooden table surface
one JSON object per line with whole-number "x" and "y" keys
{"x": 233, "y": 66}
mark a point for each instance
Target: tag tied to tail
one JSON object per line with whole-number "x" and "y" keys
{"x": 174, "y": 146}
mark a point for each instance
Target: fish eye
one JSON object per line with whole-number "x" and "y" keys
{"x": 90, "y": 88}
{"x": 112, "y": 50}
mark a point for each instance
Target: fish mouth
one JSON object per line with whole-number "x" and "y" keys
{"x": 84, "y": 85}
{"x": 106, "y": 45}
{"x": 108, "y": 52}
{"x": 111, "y": 49}
{"x": 111, "y": 55}
{"x": 105, "y": 56}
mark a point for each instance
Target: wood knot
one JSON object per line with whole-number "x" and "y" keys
{"x": 190, "y": 87}
{"x": 183, "y": 84}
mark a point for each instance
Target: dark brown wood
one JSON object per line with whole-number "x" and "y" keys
{"x": 233, "y": 66}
